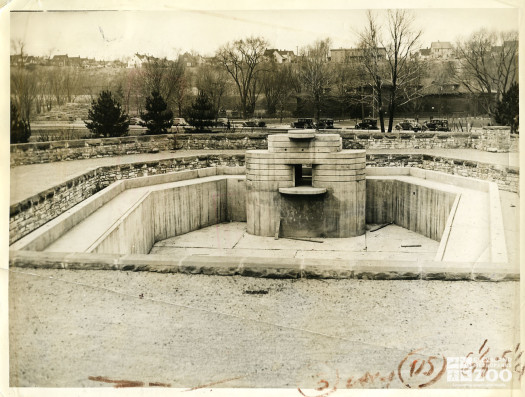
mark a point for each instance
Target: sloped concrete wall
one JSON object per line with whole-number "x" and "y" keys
{"x": 133, "y": 233}
{"x": 187, "y": 208}
{"x": 162, "y": 214}
{"x": 417, "y": 208}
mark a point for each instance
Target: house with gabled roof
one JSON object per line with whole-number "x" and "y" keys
{"x": 441, "y": 50}
{"x": 138, "y": 59}
{"x": 60, "y": 60}
{"x": 279, "y": 56}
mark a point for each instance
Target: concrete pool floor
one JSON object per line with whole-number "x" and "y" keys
{"x": 231, "y": 239}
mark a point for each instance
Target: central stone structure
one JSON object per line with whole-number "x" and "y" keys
{"x": 305, "y": 185}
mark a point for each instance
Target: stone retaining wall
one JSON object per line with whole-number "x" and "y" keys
{"x": 507, "y": 178}
{"x": 490, "y": 138}
{"x": 31, "y": 213}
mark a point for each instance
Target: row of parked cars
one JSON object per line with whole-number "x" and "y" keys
{"x": 310, "y": 124}
{"x": 407, "y": 125}
{"x": 221, "y": 122}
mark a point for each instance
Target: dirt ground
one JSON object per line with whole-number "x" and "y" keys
{"x": 92, "y": 328}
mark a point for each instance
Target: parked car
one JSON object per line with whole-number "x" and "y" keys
{"x": 135, "y": 121}
{"x": 254, "y": 123}
{"x": 325, "y": 124}
{"x": 303, "y": 123}
{"x": 367, "y": 124}
{"x": 408, "y": 125}
{"x": 179, "y": 122}
{"x": 221, "y": 122}
{"x": 436, "y": 125}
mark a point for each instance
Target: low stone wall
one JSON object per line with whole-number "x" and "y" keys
{"x": 490, "y": 138}
{"x": 35, "y": 211}
{"x": 507, "y": 178}
{"x": 29, "y": 214}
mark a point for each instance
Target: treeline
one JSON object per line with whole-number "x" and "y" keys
{"x": 385, "y": 79}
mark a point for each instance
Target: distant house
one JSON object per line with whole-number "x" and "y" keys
{"x": 190, "y": 60}
{"x": 424, "y": 53}
{"x": 353, "y": 54}
{"x": 75, "y": 62}
{"x": 280, "y": 56}
{"x": 441, "y": 50}
{"x": 507, "y": 48}
{"x": 60, "y": 60}
{"x": 137, "y": 60}
{"x": 208, "y": 60}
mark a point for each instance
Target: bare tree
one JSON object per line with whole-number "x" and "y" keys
{"x": 315, "y": 73}
{"x": 23, "y": 84}
{"x": 213, "y": 81}
{"x": 404, "y": 71}
{"x": 389, "y": 62}
{"x": 72, "y": 81}
{"x": 242, "y": 60}
{"x": 166, "y": 77}
{"x": 373, "y": 63}
{"x": 57, "y": 84}
{"x": 278, "y": 81}
{"x": 487, "y": 65}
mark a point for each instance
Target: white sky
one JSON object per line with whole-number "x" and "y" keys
{"x": 116, "y": 34}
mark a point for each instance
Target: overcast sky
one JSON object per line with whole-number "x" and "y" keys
{"x": 119, "y": 34}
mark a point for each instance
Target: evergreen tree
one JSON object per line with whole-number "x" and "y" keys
{"x": 507, "y": 110}
{"x": 158, "y": 118}
{"x": 107, "y": 117}
{"x": 201, "y": 113}
{"x": 20, "y": 129}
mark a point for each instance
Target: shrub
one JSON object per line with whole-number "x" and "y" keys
{"x": 201, "y": 113}
{"x": 107, "y": 117}
{"x": 158, "y": 119}
{"x": 20, "y": 129}
{"x": 507, "y": 110}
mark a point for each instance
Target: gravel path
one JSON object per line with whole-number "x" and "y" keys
{"x": 183, "y": 330}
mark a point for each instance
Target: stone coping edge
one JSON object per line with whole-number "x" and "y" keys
{"x": 266, "y": 267}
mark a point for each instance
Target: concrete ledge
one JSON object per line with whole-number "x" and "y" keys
{"x": 302, "y": 190}
{"x": 210, "y": 265}
{"x": 266, "y": 267}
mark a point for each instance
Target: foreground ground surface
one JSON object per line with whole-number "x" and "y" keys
{"x": 87, "y": 328}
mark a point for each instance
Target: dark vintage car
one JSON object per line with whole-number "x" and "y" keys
{"x": 303, "y": 123}
{"x": 408, "y": 125}
{"x": 436, "y": 125}
{"x": 367, "y": 124}
{"x": 325, "y": 124}
{"x": 254, "y": 123}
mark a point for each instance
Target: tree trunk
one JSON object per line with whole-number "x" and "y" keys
{"x": 380, "y": 108}
{"x": 391, "y": 111}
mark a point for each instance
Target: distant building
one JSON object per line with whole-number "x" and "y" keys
{"x": 75, "y": 62}
{"x": 279, "y": 56}
{"x": 441, "y": 50}
{"x": 424, "y": 53}
{"x": 353, "y": 54}
{"x": 60, "y": 60}
{"x": 137, "y": 60}
{"x": 190, "y": 60}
